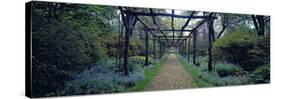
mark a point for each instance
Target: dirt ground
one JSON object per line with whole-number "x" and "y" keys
{"x": 171, "y": 76}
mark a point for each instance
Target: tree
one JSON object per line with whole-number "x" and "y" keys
{"x": 228, "y": 22}
{"x": 259, "y": 23}
{"x": 66, "y": 40}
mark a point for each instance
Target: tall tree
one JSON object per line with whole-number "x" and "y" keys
{"x": 259, "y": 24}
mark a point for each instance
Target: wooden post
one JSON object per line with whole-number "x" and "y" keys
{"x": 127, "y": 38}
{"x": 154, "y": 48}
{"x": 188, "y": 50}
{"x": 129, "y": 23}
{"x": 146, "y": 47}
{"x": 160, "y": 49}
{"x": 194, "y": 47}
{"x": 211, "y": 32}
{"x": 180, "y": 47}
{"x": 185, "y": 48}
{"x": 120, "y": 47}
{"x": 163, "y": 49}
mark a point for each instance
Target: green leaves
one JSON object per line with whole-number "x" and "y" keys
{"x": 261, "y": 75}
{"x": 66, "y": 40}
{"x": 243, "y": 47}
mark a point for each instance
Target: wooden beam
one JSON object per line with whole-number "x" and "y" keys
{"x": 188, "y": 50}
{"x": 146, "y": 47}
{"x": 194, "y": 36}
{"x": 186, "y": 24}
{"x": 202, "y": 22}
{"x": 153, "y": 29}
{"x": 211, "y": 40}
{"x": 154, "y": 48}
{"x": 167, "y": 15}
{"x": 172, "y": 19}
{"x": 154, "y": 21}
{"x": 172, "y": 36}
{"x": 146, "y": 27}
{"x": 129, "y": 23}
{"x": 185, "y": 48}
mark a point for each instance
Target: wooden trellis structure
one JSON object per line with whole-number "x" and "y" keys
{"x": 130, "y": 18}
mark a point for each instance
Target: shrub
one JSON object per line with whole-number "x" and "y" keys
{"x": 243, "y": 47}
{"x": 90, "y": 83}
{"x": 235, "y": 80}
{"x": 107, "y": 63}
{"x": 101, "y": 78}
{"x": 141, "y": 59}
{"x": 227, "y": 69}
{"x": 232, "y": 74}
{"x": 131, "y": 80}
{"x": 261, "y": 75}
{"x": 212, "y": 78}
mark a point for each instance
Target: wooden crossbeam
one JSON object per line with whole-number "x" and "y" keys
{"x": 202, "y": 22}
{"x": 167, "y": 15}
{"x": 186, "y": 24}
{"x": 197, "y": 26}
{"x": 154, "y": 21}
{"x": 177, "y": 30}
{"x": 144, "y": 25}
{"x": 172, "y": 36}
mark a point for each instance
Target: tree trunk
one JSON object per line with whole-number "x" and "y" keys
{"x": 259, "y": 24}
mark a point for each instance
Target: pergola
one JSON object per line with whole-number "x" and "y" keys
{"x": 130, "y": 18}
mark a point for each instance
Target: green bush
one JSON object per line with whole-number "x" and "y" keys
{"x": 211, "y": 78}
{"x": 243, "y": 47}
{"x": 235, "y": 80}
{"x": 214, "y": 79}
{"x": 261, "y": 75}
{"x": 227, "y": 69}
{"x": 58, "y": 51}
{"x": 101, "y": 78}
{"x": 141, "y": 59}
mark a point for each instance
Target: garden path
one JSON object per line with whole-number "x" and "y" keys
{"x": 171, "y": 76}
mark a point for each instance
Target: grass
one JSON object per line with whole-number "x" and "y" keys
{"x": 196, "y": 82}
{"x": 150, "y": 74}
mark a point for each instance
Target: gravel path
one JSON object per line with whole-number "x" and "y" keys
{"x": 171, "y": 76}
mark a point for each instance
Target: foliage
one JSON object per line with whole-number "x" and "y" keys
{"x": 65, "y": 41}
{"x": 261, "y": 75}
{"x": 101, "y": 78}
{"x": 75, "y": 47}
{"x": 211, "y": 78}
{"x": 202, "y": 78}
{"x": 236, "y": 80}
{"x": 243, "y": 47}
{"x": 141, "y": 59}
{"x": 53, "y": 40}
{"x": 227, "y": 69}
